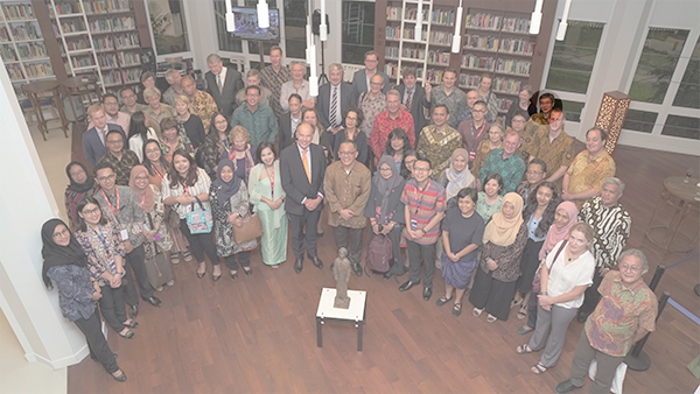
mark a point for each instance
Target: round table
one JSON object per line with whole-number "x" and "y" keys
{"x": 38, "y": 90}
{"x": 86, "y": 89}
{"x": 681, "y": 194}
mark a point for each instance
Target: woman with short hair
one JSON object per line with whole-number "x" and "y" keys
{"x": 240, "y": 152}
{"x": 352, "y": 121}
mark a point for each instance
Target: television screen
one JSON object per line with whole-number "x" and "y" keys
{"x": 247, "y": 25}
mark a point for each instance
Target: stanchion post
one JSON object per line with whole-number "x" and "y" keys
{"x": 660, "y": 270}
{"x": 637, "y": 359}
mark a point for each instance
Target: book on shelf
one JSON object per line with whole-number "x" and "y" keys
{"x": 39, "y": 70}
{"x": 8, "y": 53}
{"x": 25, "y": 31}
{"x": 4, "y": 34}
{"x": 15, "y": 72}
{"x": 106, "y": 6}
{"x": 30, "y": 50}
{"x": 18, "y": 11}
{"x": 444, "y": 17}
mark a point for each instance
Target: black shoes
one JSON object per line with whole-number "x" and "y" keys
{"x": 153, "y": 300}
{"x": 248, "y": 271}
{"x": 406, "y": 286}
{"x": 427, "y": 293}
{"x": 357, "y": 269}
{"x": 133, "y": 311}
{"x": 582, "y": 316}
{"x": 298, "y": 264}
{"x": 132, "y": 324}
{"x": 121, "y": 377}
{"x": 317, "y": 262}
{"x": 234, "y": 276}
{"x": 565, "y": 387}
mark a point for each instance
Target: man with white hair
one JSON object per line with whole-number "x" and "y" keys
{"x": 222, "y": 83}
{"x": 333, "y": 98}
{"x": 174, "y": 79}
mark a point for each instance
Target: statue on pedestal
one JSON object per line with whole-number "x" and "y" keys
{"x": 341, "y": 272}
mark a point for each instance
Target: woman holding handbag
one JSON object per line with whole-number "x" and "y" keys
{"x": 267, "y": 196}
{"x": 229, "y": 201}
{"x": 564, "y": 277}
{"x": 186, "y": 188}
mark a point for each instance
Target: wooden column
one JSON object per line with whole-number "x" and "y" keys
{"x": 611, "y": 115}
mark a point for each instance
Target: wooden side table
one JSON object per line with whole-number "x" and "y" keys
{"x": 41, "y": 89}
{"x": 86, "y": 89}
{"x": 354, "y": 314}
{"x": 681, "y": 196}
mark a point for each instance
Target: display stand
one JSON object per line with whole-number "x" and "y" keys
{"x": 354, "y": 314}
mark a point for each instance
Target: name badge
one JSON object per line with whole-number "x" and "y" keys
{"x": 124, "y": 235}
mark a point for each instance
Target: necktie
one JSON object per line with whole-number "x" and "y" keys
{"x": 334, "y": 107}
{"x": 220, "y": 82}
{"x": 408, "y": 99}
{"x": 305, "y": 162}
{"x": 104, "y": 136}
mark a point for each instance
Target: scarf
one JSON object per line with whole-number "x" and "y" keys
{"x": 502, "y": 231}
{"x": 55, "y": 255}
{"x": 226, "y": 190}
{"x": 148, "y": 199}
{"x": 458, "y": 180}
{"x": 386, "y": 186}
{"x": 556, "y": 234}
{"x": 79, "y": 187}
{"x": 249, "y": 162}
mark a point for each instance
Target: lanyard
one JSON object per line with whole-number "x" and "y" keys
{"x": 103, "y": 240}
{"x": 111, "y": 207}
{"x": 272, "y": 181}
{"x": 157, "y": 172}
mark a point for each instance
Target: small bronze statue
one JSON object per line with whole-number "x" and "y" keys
{"x": 341, "y": 272}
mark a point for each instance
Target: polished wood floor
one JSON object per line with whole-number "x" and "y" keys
{"x": 257, "y": 333}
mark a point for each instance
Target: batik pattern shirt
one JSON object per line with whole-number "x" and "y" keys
{"x": 612, "y": 230}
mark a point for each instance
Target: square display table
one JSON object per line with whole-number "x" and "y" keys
{"x": 354, "y": 314}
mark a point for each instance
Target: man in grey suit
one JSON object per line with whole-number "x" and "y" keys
{"x": 333, "y": 99}
{"x": 94, "y": 139}
{"x": 223, "y": 83}
{"x": 303, "y": 166}
{"x": 289, "y": 121}
{"x": 360, "y": 81}
{"x": 413, "y": 98}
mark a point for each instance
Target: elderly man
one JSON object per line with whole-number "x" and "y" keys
{"x": 252, "y": 78}
{"x": 626, "y": 314}
{"x": 393, "y": 118}
{"x": 466, "y": 112}
{"x": 474, "y": 130}
{"x": 612, "y": 231}
{"x": 121, "y": 160}
{"x": 174, "y": 78}
{"x": 156, "y": 111}
{"x": 95, "y": 138}
{"x": 438, "y": 140}
{"x": 535, "y": 174}
{"x": 506, "y": 162}
{"x": 289, "y": 121}
{"x": 413, "y": 98}
{"x": 222, "y": 84}
{"x": 256, "y": 117}
{"x": 333, "y": 98}
{"x": 110, "y": 103}
{"x": 362, "y": 78}
{"x": 585, "y": 176}
{"x": 447, "y": 94}
{"x": 554, "y": 147}
{"x": 347, "y": 185}
{"x": 372, "y": 102}
{"x": 297, "y": 85}
{"x": 129, "y": 104}
{"x": 202, "y": 103}
{"x": 273, "y": 76}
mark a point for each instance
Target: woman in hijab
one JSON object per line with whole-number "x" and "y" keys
{"x": 151, "y": 201}
{"x": 66, "y": 264}
{"x": 505, "y": 237}
{"x": 229, "y": 203}
{"x": 81, "y": 184}
{"x": 457, "y": 176}
{"x": 386, "y": 211}
{"x": 565, "y": 217}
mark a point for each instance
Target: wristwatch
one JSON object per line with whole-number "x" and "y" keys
{"x": 423, "y": 230}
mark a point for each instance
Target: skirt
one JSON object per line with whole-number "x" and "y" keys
{"x": 457, "y": 274}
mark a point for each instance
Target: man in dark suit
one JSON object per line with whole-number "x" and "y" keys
{"x": 289, "y": 121}
{"x": 333, "y": 99}
{"x": 360, "y": 81}
{"x": 413, "y": 98}
{"x": 223, "y": 83}
{"x": 303, "y": 166}
{"x": 94, "y": 139}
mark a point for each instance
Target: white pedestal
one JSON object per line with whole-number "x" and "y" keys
{"x": 354, "y": 314}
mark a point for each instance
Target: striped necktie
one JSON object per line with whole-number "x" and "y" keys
{"x": 334, "y": 108}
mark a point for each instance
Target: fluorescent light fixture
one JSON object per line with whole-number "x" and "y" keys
{"x": 457, "y": 37}
{"x": 263, "y": 14}
{"x": 230, "y": 20}
{"x": 418, "y": 31}
{"x": 323, "y": 28}
{"x": 561, "y": 32}
{"x": 536, "y": 18}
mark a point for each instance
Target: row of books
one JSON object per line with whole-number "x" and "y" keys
{"x": 121, "y": 77}
{"x": 31, "y": 50}
{"x": 38, "y": 70}
{"x": 518, "y": 46}
{"x": 70, "y": 26}
{"x": 438, "y": 16}
{"x": 83, "y": 61}
{"x": 112, "y": 24}
{"x": 435, "y": 57}
{"x": 18, "y": 11}
{"x": 104, "y": 6}
{"x": 25, "y": 31}
{"x": 121, "y": 59}
{"x": 8, "y": 54}
{"x": 395, "y": 33}
{"x": 498, "y": 23}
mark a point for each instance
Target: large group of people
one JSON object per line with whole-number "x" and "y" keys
{"x": 504, "y": 209}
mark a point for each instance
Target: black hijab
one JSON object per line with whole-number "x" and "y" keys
{"x": 55, "y": 255}
{"x": 79, "y": 187}
{"x": 226, "y": 190}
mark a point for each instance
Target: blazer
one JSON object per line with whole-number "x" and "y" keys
{"x": 323, "y": 102}
{"x": 225, "y": 99}
{"x": 294, "y": 180}
{"x": 418, "y": 102}
{"x": 359, "y": 83}
{"x": 94, "y": 148}
{"x": 286, "y": 135}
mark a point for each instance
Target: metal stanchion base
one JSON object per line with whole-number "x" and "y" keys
{"x": 640, "y": 363}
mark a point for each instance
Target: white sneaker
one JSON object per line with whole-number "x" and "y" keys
{"x": 171, "y": 282}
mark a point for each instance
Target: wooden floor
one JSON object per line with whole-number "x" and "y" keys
{"x": 257, "y": 333}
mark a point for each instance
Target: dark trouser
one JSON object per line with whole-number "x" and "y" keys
{"x": 135, "y": 262}
{"x": 421, "y": 254}
{"x": 350, "y": 239}
{"x": 310, "y": 220}
{"x": 243, "y": 258}
{"x": 200, "y": 243}
{"x": 492, "y": 294}
{"x": 528, "y": 265}
{"x": 112, "y": 307}
{"x": 592, "y": 297}
{"x": 96, "y": 342}
{"x": 605, "y": 370}
{"x": 397, "y": 267}
{"x": 532, "y": 304}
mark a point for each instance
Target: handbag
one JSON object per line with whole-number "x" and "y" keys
{"x": 251, "y": 229}
{"x": 199, "y": 220}
{"x": 536, "y": 284}
{"x": 159, "y": 271}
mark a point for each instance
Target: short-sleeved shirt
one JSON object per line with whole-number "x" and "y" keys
{"x": 557, "y": 153}
{"x": 564, "y": 277}
{"x": 463, "y": 231}
{"x": 424, "y": 205}
{"x": 621, "y": 311}
{"x": 511, "y": 169}
{"x": 586, "y": 174}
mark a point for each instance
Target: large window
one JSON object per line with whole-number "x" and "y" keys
{"x": 358, "y": 30}
{"x": 295, "y": 12}
{"x": 253, "y": 47}
{"x": 689, "y": 90}
{"x": 658, "y": 61}
{"x": 682, "y": 126}
{"x": 640, "y": 121}
{"x": 169, "y": 26}
{"x": 573, "y": 58}
{"x": 226, "y": 42}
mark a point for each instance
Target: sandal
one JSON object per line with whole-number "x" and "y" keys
{"x": 442, "y": 301}
{"x": 538, "y": 369}
{"x": 128, "y": 334}
{"x": 477, "y": 312}
{"x": 522, "y": 312}
{"x": 515, "y": 302}
{"x": 187, "y": 255}
{"x": 457, "y": 309}
{"x": 174, "y": 258}
{"x": 491, "y": 318}
{"x": 523, "y": 349}
{"x": 525, "y": 329}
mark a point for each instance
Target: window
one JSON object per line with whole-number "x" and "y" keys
{"x": 169, "y": 26}
{"x": 640, "y": 121}
{"x": 295, "y": 12}
{"x": 689, "y": 90}
{"x": 682, "y": 126}
{"x": 662, "y": 49}
{"x": 226, "y": 42}
{"x": 573, "y": 110}
{"x": 253, "y": 45}
{"x": 573, "y": 58}
{"x": 358, "y": 30}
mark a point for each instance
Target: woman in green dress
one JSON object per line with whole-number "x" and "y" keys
{"x": 267, "y": 196}
{"x": 490, "y": 199}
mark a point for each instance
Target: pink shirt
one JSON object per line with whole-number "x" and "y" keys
{"x": 122, "y": 119}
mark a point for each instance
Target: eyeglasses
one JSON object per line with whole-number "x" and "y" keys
{"x": 149, "y": 151}
{"x": 385, "y": 169}
{"x": 376, "y": 83}
{"x": 105, "y": 178}
{"x": 91, "y": 212}
{"x": 633, "y": 268}
{"x": 421, "y": 169}
{"x": 479, "y": 111}
{"x": 114, "y": 142}
{"x": 62, "y": 233}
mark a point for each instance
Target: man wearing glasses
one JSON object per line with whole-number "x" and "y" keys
{"x": 475, "y": 129}
{"x": 119, "y": 159}
{"x": 361, "y": 79}
{"x": 438, "y": 140}
{"x": 95, "y": 139}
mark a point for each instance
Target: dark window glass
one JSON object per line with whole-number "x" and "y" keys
{"x": 689, "y": 90}
{"x": 682, "y": 126}
{"x": 358, "y": 30}
{"x": 640, "y": 121}
{"x": 662, "y": 49}
{"x": 573, "y": 58}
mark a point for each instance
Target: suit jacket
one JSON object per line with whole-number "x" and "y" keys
{"x": 93, "y": 148}
{"x": 286, "y": 135}
{"x": 359, "y": 83}
{"x": 418, "y": 102}
{"x": 323, "y": 102}
{"x": 294, "y": 180}
{"x": 225, "y": 99}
